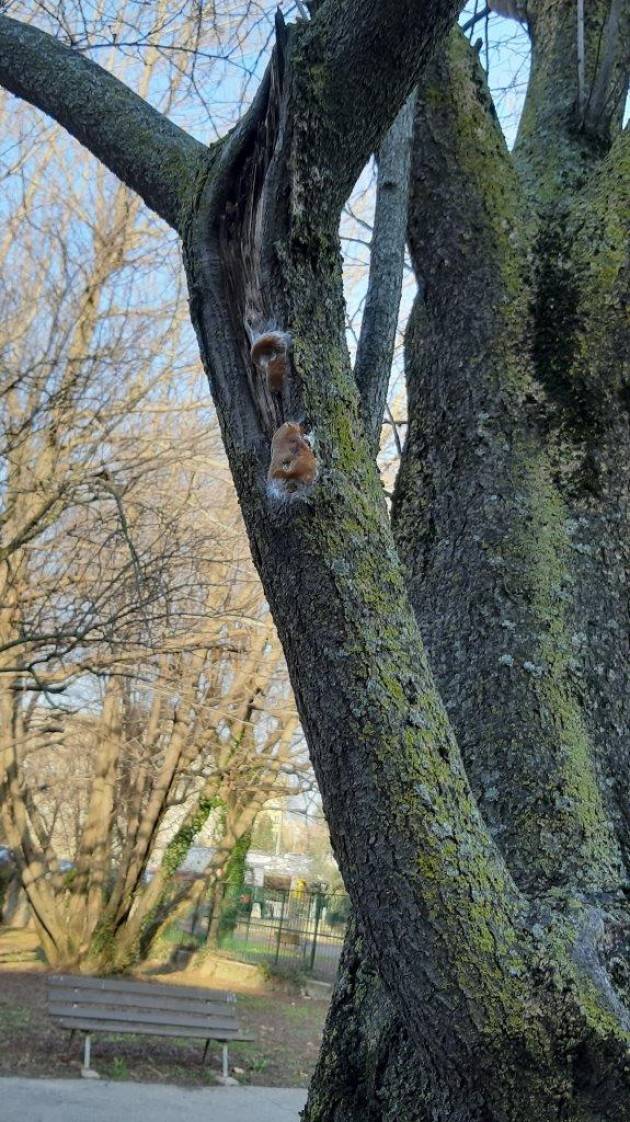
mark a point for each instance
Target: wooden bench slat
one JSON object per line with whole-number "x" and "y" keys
{"x": 173, "y": 1002}
{"x": 88, "y": 1025}
{"x": 145, "y": 1018}
{"x": 121, "y": 985}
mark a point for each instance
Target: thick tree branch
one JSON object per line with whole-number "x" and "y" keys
{"x": 387, "y": 257}
{"x": 560, "y": 140}
{"x": 142, "y": 147}
{"x": 364, "y": 57}
{"x": 470, "y": 346}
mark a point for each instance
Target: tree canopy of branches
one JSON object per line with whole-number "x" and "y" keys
{"x": 141, "y": 680}
{"x": 477, "y": 809}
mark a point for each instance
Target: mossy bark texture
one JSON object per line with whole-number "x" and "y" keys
{"x": 511, "y": 517}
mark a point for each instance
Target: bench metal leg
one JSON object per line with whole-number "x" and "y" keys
{"x": 205, "y": 1052}
{"x": 70, "y": 1040}
{"x": 226, "y": 1069}
{"x": 88, "y": 1072}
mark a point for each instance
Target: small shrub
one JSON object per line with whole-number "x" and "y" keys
{"x": 285, "y": 975}
{"x": 119, "y": 1068}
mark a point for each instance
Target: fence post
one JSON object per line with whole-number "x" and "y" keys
{"x": 284, "y": 900}
{"x": 249, "y": 918}
{"x": 318, "y": 912}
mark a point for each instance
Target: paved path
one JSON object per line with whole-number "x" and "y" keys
{"x": 78, "y": 1100}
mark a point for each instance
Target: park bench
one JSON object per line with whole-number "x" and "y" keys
{"x": 120, "y": 1006}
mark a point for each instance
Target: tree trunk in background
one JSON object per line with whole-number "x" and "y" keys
{"x": 118, "y": 948}
{"x": 226, "y": 893}
{"x": 511, "y": 516}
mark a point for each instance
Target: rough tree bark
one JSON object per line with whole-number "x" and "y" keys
{"x": 511, "y": 517}
{"x": 490, "y": 961}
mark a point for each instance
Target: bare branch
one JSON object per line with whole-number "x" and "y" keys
{"x": 378, "y": 329}
{"x": 483, "y": 14}
{"x": 372, "y": 56}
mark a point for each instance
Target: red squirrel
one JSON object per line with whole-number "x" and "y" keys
{"x": 270, "y": 356}
{"x": 293, "y": 466}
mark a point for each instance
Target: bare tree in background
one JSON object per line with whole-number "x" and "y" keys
{"x": 209, "y": 737}
{"x": 129, "y": 612}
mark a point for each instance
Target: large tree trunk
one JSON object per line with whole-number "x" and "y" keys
{"x": 510, "y": 514}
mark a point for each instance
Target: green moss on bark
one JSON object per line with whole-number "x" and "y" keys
{"x": 578, "y": 832}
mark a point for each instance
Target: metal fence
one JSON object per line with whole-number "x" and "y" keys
{"x": 302, "y": 929}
